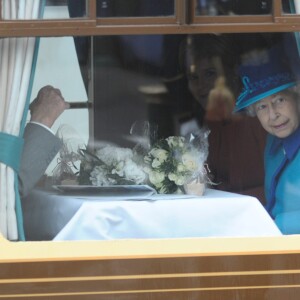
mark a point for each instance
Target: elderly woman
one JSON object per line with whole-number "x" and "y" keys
{"x": 270, "y": 93}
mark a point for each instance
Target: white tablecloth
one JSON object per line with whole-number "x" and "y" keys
{"x": 214, "y": 214}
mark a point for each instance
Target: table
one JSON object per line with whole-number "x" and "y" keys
{"x": 84, "y": 217}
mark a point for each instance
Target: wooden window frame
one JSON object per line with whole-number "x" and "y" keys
{"x": 198, "y": 268}
{"x": 183, "y": 22}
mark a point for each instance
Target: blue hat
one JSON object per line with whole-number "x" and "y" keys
{"x": 264, "y": 76}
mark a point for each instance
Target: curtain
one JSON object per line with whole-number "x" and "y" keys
{"x": 297, "y": 6}
{"x": 16, "y": 61}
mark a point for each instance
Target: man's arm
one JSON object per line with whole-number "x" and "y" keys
{"x": 40, "y": 144}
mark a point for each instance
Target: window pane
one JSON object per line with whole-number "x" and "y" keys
{"x": 233, "y": 7}
{"x": 63, "y": 63}
{"x": 144, "y": 89}
{"x": 54, "y": 9}
{"x": 135, "y": 8}
{"x": 291, "y": 7}
{"x": 65, "y": 9}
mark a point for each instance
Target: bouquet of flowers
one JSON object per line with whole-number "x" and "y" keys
{"x": 172, "y": 165}
{"x": 109, "y": 165}
{"x": 176, "y": 161}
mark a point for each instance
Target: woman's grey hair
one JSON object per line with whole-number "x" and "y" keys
{"x": 295, "y": 91}
{"x": 250, "y": 111}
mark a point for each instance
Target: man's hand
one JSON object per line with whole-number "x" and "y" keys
{"x": 47, "y": 106}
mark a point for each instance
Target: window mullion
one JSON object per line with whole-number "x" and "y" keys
{"x": 277, "y": 9}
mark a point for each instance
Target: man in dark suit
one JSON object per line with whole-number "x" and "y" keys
{"x": 40, "y": 143}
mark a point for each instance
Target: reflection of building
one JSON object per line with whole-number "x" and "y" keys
{"x": 130, "y": 97}
{"x": 229, "y": 7}
{"x": 57, "y": 65}
{"x": 129, "y": 70}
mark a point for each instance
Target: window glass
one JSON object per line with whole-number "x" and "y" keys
{"x": 233, "y": 7}
{"x": 62, "y": 62}
{"x": 291, "y": 7}
{"x": 129, "y": 92}
{"x": 135, "y": 8}
{"x": 53, "y": 9}
{"x": 65, "y": 9}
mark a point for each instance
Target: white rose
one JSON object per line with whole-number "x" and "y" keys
{"x": 119, "y": 168}
{"x": 111, "y": 154}
{"x": 180, "y": 168}
{"x": 190, "y": 162}
{"x": 133, "y": 172}
{"x": 159, "y": 154}
{"x": 156, "y": 163}
{"x": 177, "y": 178}
{"x": 156, "y": 178}
{"x": 172, "y": 176}
{"x": 180, "y": 180}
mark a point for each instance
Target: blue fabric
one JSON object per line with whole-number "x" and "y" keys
{"x": 10, "y": 150}
{"x": 282, "y": 181}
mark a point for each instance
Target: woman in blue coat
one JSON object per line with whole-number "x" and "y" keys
{"x": 270, "y": 93}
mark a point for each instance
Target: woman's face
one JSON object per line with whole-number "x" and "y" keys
{"x": 202, "y": 80}
{"x": 278, "y": 114}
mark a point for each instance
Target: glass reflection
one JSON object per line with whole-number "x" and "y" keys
{"x": 291, "y": 7}
{"x": 50, "y": 9}
{"x": 233, "y": 7}
{"x": 165, "y": 80}
{"x": 135, "y": 8}
{"x": 178, "y": 84}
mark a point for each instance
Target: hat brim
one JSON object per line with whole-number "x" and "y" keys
{"x": 262, "y": 96}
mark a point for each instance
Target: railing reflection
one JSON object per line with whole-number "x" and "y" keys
{"x": 230, "y": 7}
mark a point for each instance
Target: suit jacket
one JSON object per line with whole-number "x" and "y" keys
{"x": 40, "y": 147}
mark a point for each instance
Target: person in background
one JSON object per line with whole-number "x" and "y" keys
{"x": 234, "y": 141}
{"x": 40, "y": 143}
{"x": 271, "y": 92}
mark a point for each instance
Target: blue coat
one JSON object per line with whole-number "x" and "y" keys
{"x": 282, "y": 181}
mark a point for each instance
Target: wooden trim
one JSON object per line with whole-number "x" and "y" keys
{"x": 181, "y": 12}
{"x": 192, "y": 10}
{"x": 277, "y": 9}
{"x": 184, "y": 21}
{"x": 289, "y": 19}
{"x": 87, "y": 28}
{"x": 92, "y": 9}
{"x": 152, "y": 269}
